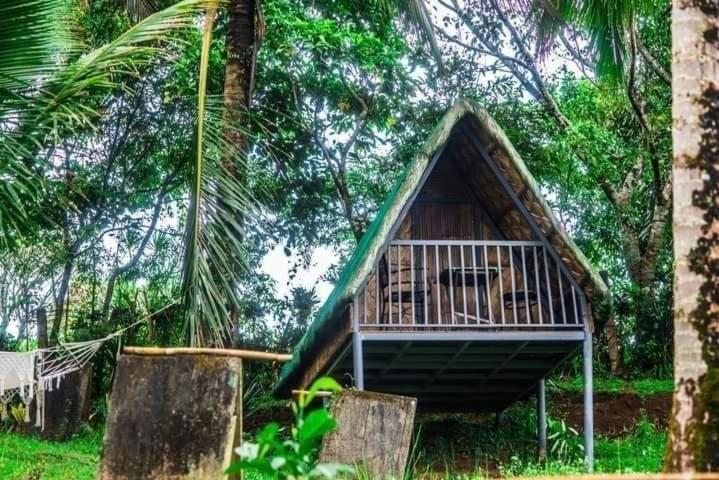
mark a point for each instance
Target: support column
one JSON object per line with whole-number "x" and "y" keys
{"x": 541, "y": 420}
{"x": 358, "y": 360}
{"x": 357, "y": 356}
{"x": 588, "y": 402}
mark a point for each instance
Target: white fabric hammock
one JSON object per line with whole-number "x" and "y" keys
{"x": 17, "y": 377}
{"x": 31, "y": 374}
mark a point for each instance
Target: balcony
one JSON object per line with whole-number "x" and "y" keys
{"x": 467, "y": 284}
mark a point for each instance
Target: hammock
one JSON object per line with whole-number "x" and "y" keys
{"x": 17, "y": 377}
{"x": 29, "y": 375}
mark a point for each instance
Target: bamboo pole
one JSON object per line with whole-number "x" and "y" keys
{"x": 318, "y": 394}
{"x": 246, "y": 354}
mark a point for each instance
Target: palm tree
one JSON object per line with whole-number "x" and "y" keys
{"x": 219, "y": 199}
{"x": 209, "y": 281}
{"x": 46, "y": 84}
{"x": 694, "y": 426}
{"x": 46, "y": 81}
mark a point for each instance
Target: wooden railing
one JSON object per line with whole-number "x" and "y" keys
{"x": 468, "y": 284}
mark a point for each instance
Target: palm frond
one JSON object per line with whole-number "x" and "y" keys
{"x": 102, "y": 69}
{"x": 551, "y": 17}
{"x": 214, "y": 232}
{"x": 140, "y": 9}
{"x": 46, "y": 98}
{"x": 607, "y": 22}
{"x": 33, "y": 34}
{"x": 416, "y": 15}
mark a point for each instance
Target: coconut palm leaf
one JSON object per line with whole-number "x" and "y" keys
{"x": 417, "y": 16}
{"x": 47, "y": 91}
{"x": 218, "y": 203}
{"x": 31, "y": 35}
{"x": 139, "y": 9}
{"x": 607, "y": 23}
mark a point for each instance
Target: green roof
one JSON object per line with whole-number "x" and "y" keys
{"x": 361, "y": 264}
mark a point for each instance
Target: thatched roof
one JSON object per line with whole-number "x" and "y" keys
{"x": 457, "y": 134}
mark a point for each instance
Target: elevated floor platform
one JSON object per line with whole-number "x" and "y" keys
{"x": 467, "y": 371}
{"x": 458, "y": 372}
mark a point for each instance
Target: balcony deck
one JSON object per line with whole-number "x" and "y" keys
{"x": 453, "y": 285}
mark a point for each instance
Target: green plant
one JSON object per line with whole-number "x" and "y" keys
{"x": 565, "y": 445}
{"x": 17, "y": 413}
{"x": 294, "y": 458}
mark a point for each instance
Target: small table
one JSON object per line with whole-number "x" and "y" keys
{"x": 458, "y": 277}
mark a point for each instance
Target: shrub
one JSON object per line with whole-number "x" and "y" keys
{"x": 294, "y": 458}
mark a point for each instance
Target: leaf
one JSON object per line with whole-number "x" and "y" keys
{"x": 331, "y": 470}
{"x": 323, "y": 384}
{"x": 248, "y": 450}
{"x": 278, "y": 462}
{"x": 315, "y": 425}
{"x": 269, "y": 433}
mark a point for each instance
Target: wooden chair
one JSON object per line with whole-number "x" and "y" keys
{"x": 402, "y": 292}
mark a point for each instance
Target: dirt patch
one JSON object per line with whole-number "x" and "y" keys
{"x": 281, "y": 414}
{"x": 614, "y": 415}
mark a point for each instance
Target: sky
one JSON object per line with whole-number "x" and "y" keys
{"x": 277, "y": 265}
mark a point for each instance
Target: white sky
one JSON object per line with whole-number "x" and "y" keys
{"x": 277, "y": 265}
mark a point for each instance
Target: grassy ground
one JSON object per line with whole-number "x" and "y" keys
{"x": 23, "y": 458}
{"x": 29, "y": 458}
{"x": 644, "y": 387}
{"x": 456, "y": 447}
{"x": 475, "y": 449}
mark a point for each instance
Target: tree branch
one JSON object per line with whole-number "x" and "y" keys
{"x": 653, "y": 63}
{"x": 120, "y": 270}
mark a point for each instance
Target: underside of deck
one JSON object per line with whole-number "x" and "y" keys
{"x": 457, "y": 371}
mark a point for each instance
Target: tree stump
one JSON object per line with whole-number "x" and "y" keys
{"x": 374, "y": 432}
{"x": 67, "y": 406}
{"x": 173, "y": 417}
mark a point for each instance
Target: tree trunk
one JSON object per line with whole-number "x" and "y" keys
{"x": 62, "y": 293}
{"x": 694, "y": 428}
{"x": 41, "y": 315}
{"x": 239, "y": 70}
{"x": 241, "y": 44}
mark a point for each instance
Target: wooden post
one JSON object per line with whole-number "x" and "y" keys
{"x": 67, "y": 405}
{"x": 374, "y": 432}
{"x": 173, "y": 417}
{"x": 41, "y": 318}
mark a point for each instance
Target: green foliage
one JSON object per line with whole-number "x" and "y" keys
{"x": 17, "y": 413}
{"x": 23, "y": 457}
{"x": 338, "y": 58}
{"x": 643, "y": 387}
{"x": 449, "y": 443}
{"x": 44, "y": 98}
{"x": 565, "y": 444}
{"x": 294, "y": 458}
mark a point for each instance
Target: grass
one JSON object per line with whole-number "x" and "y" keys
{"x": 508, "y": 450}
{"x": 643, "y": 387}
{"x": 469, "y": 447}
{"x": 26, "y": 458}
{"x": 452, "y": 447}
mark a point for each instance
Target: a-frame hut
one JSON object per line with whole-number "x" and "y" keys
{"x": 464, "y": 292}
